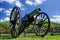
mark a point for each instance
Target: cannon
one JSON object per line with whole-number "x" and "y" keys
{"x": 40, "y": 20}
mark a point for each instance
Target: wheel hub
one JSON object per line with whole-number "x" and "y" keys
{"x": 40, "y": 24}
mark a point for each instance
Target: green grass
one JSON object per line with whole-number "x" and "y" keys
{"x": 30, "y": 37}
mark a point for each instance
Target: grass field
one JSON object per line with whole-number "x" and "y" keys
{"x": 30, "y": 37}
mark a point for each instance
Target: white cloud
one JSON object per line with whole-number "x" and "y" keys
{"x": 29, "y": 2}
{"x": 55, "y": 18}
{"x": 8, "y": 12}
{"x": 16, "y": 2}
{"x": 9, "y": 1}
{"x": 1, "y": 9}
{"x": 20, "y": 5}
{"x": 35, "y": 2}
{"x": 5, "y": 19}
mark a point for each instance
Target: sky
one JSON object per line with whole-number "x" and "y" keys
{"x": 51, "y": 7}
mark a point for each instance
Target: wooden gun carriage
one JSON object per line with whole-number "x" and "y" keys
{"x": 40, "y": 20}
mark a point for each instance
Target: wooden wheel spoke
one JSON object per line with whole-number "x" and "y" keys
{"x": 44, "y": 27}
{"x": 45, "y": 19}
{"x": 43, "y": 16}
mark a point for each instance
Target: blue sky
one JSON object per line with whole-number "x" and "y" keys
{"x": 51, "y": 7}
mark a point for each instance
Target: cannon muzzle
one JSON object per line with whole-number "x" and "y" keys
{"x": 38, "y": 9}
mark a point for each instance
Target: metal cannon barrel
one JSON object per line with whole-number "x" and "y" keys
{"x": 36, "y": 11}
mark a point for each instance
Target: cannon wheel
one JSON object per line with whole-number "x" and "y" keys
{"x": 41, "y": 24}
{"x": 15, "y": 21}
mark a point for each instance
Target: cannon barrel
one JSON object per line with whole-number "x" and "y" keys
{"x": 36, "y": 11}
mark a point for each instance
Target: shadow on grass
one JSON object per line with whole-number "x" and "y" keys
{"x": 31, "y": 36}
{"x": 8, "y": 36}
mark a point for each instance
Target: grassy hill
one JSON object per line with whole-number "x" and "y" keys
{"x": 6, "y": 25}
{"x": 53, "y": 24}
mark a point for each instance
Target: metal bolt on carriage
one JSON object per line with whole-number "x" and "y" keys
{"x": 40, "y": 20}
